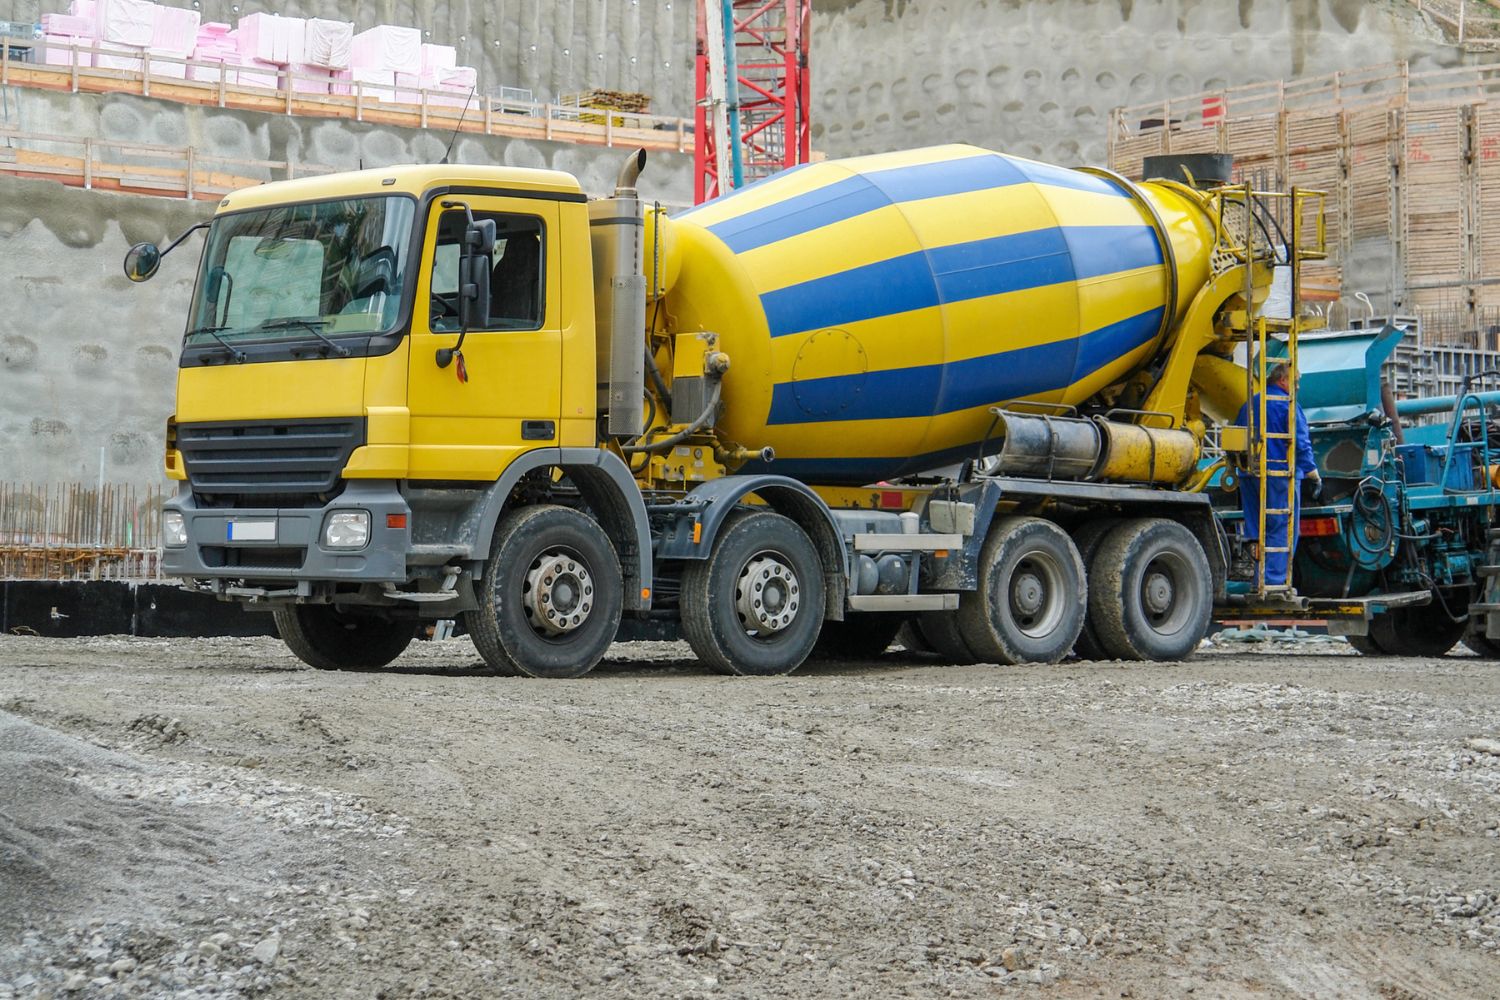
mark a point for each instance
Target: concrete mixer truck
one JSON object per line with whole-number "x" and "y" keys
{"x": 943, "y": 387}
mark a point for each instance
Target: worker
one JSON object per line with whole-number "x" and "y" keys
{"x": 1281, "y": 529}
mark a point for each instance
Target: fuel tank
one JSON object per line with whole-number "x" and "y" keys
{"x": 874, "y": 309}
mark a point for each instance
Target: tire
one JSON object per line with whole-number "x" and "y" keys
{"x": 943, "y": 634}
{"x": 861, "y": 636}
{"x": 910, "y": 638}
{"x": 1425, "y": 631}
{"x": 551, "y": 595}
{"x": 1151, "y": 591}
{"x": 326, "y": 638}
{"x": 1482, "y": 645}
{"x": 757, "y": 554}
{"x": 1365, "y": 645}
{"x": 1031, "y": 599}
{"x": 1087, "y": 538}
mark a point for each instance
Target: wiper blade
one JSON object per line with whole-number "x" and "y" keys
{"x": 311, "y": 326}
{"x": 213, "y": 331}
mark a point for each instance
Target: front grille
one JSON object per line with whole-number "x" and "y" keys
{"x": 259, "y": 557}
{"x": 268, "y": 457}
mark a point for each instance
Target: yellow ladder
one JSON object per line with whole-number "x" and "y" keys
{"x": 1259, "y": 441}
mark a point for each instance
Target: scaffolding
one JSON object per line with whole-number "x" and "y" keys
{"x": 752, "y": 112}
{"x": 1411, "y": 162}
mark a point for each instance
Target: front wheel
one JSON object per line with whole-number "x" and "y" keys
{"x": 551, "y": 596}
{"x": 1150, "y": 591}
{"x": 327, "y": 638}
{"x": 755, "y": 606}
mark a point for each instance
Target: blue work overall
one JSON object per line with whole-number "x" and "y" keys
{"x": 1278, "y": 526}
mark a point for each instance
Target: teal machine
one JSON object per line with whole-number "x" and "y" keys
{"x": 1409, "y": 500}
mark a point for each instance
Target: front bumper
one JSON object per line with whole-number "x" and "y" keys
{"x": 293, "y": 549}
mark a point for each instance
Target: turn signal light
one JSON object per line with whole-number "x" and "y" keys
{"x": 395, "y": 520}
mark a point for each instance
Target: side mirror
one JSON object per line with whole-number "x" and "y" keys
{"x": 479, "y": 238}
{"x": 141, "y": 262}
{"x": 474, "y": 291}
{"x": 473, "y": 283}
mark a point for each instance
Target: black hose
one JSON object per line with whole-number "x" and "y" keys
{"x": 652, "y": 447}
{"x": 655, "y": 372}
{"x": 1370, "y": 502}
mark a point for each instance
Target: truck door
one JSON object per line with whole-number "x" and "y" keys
{"x": 510, "y": 403}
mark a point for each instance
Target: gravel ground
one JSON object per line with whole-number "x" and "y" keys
{"x": 206, "y": 818}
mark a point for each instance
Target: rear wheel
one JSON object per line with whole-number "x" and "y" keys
{"x": 1423, "y": 631}
{"x": 945, "y": 637}
{"x": 755, "y": 606}
{"x": 859, "y": 636}
{"x": 910, "y": 638}
{"x": 1483, "y": 645}
{"x": 1151, "y": 591}
{"x": 1030, "y": 603}
{"x": 1087, "y": 539}
{"x": 551, "y": 596}
{"x": 328, "y": 638}
{"x": 1365, "y": 645}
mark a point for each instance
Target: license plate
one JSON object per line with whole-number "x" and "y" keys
{"x": 252, "y": 531}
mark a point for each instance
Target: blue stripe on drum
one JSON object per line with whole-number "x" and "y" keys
{"x": 860, "y": 471}
{"x": 927, "y": 390}
{"x": 956, "y": 273}
{"x": 866, "y": 192}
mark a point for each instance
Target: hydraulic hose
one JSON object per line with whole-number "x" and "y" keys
{"x": 653, "y": 447}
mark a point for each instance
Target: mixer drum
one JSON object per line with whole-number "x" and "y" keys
{"x": 875, "y": 308}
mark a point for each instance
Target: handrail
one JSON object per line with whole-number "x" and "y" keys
{"x": 172, "y": 171}
{"x": 486, "y": 115}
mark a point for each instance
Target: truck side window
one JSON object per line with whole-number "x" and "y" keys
{"x": 516, "y": 299}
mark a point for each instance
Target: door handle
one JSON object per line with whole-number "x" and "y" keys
{"x": 538, "y": 430}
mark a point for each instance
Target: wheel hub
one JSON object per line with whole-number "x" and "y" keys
{"x": 1028, "y": 594}
{"x": 559, "y": 593}
{"x": 767, "y": 595}
{"x": 1157, "y": 592}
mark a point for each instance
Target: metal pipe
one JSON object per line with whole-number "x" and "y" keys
{"x": 732, "y": 95}
{"x": 1441, "y": 404}
{"x": 630, "y": 172}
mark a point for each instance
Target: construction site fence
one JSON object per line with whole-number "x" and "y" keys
{"x": 209, "y": 84}
{"x": 1410, "y": 162}
{"x": 72, "y": 531}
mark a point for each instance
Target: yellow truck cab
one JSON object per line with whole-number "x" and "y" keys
{"x": 468, "y": 393}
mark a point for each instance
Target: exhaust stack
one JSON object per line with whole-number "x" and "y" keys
{"x": 615, "y": 234}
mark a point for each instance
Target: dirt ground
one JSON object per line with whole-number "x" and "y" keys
{"x": 207, "y": 818}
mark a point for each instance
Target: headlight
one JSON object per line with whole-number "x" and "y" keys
{"x": 347, "y": 529}
{"x": 173, "y": 528}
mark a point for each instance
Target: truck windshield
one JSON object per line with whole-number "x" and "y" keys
{"x": 303, "y": 272}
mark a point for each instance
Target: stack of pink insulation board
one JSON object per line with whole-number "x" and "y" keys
{"x": 175, "y": 35}
{"x": 60, "y": 32}
{"x": 319, "y": 56}
{"x": 217, "y": 45}
{"x": 329, "y": 43}
{"x": 272, "y": 39}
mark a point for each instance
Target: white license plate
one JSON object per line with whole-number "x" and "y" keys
{"x": 252, "y": 531}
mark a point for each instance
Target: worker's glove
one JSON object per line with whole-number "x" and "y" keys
{"x": 1312, "y": 489}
